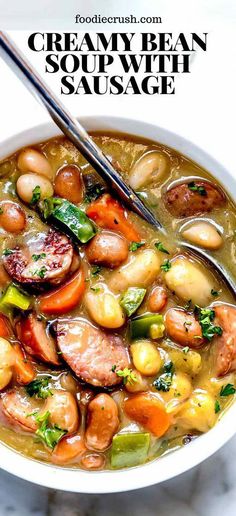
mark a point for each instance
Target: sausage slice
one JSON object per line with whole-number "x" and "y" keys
{"x": 225, "y": 345}
{"x": 17, "y": 409}
{"x": 37, "y": 342}
{"x": 90, "y": 352}
{"x": 193, "y": 198}
{"x": 46, "y": 258}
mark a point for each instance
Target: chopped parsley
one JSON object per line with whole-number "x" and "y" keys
{"x": 188, "y": 304}
{"x": 134, "y": 246}
{"x": 37, "y": 257}
{"x": 36, "y": 195}
{"x": 186, "y": 324}
{"x": 214, "y": 293}
{"x": 127, "y": 375}
{"x": 196, "y": 188}
{"x": 96, "y": 270}
{"x": 95, "y": 289}
{"x": 49, "y": 434}
{"x": 186, "y": 350}
{"x": 7, "y": 252}
{"x": 217, "y": 407}
{"x": 166, "y": 265}
{"x": 164, "y": 381}
{"x": 39, "y": 388}
{"x": 227, "y": 390}
{"x": 41, "y": 272}
{"x": 161, "y": 248}
{"x": 205, "y": 317}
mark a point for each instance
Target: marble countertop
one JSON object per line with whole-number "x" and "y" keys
{"x": 207, "y": 490}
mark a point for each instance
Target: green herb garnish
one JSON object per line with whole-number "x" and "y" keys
{"x": 205, "y": 318}
{"x": 227, "y": 390}
{"x": 7, "y": 252}
{"x": 161, "y": 248}
{"x": 41, "y": 272}
{"x": 164, "y": 381}
{"x": 134, "y": 246}
{"x": 195, "y": 188}
{"x": 214, "y": 293}
{"x": 95, "y": 289}
{"x": 186, "y": 350}
{"x": 96, "y": 270}
{"x": 166, "y": 266}
{"x": 50, "y": 435}
{"x": 37, "y": 257}
{"x": 127, "y": 375}
{"x": 39, "y": 388}
{"x": 217, "y": 407}
{"x": 36, "y": 195}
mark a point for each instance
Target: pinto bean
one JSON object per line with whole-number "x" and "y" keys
{"x": 183, "y": 328}
{"x": 182, "y": 201}
{"x": 108, "y": 249}
{"x": 93, "y": 461}
{"x": 68, "y": 449}
{"x": 31, "y": 160}
{"x": 103, "y": 422}
{"x": 157, "y": 299}
{"x": 63, "y": 410}
{"x": 69, "y": 183}
{"x": 12, "y": 217}
{"x": 224, "y": 347}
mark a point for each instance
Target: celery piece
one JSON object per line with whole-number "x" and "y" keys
{"x": 129, "y": 449}
{"x": 146, "y": 325}
{"x": 14, "y": 297}
{"x": 132, "y": 299}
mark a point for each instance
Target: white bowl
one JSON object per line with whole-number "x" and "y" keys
{"x": 178, "y": 461}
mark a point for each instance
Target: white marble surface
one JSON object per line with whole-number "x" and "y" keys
{"x": 207, "y": 490}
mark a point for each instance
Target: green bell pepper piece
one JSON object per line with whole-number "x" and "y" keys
{"x": 143, "y": 326}
{"x": 15, "y": 298}
{"x": 73, "y": 220}
{"x": 132, "y": 299}
{"x": 129, "y": 449}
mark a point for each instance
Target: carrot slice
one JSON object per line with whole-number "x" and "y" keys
{"x": 65, "y": 298}
{"x": 24, "y": 370}
{"x": 5, "y": 327}
{"x": 109, "y": 214}
{"x": 148, "y": 410}
{"x": 68, "y": 448}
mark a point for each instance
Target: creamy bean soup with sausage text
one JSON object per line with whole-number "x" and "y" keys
{"x": 116, "y": 345}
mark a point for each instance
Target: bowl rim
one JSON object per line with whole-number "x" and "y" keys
{"x": 176, "y": 462}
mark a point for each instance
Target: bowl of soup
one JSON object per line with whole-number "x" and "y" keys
{"x": 117, "y": 347}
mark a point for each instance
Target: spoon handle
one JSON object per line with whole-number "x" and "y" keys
{"x": 72, "y": 128}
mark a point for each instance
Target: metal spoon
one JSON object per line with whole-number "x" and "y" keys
{"x": 81, "y": 139}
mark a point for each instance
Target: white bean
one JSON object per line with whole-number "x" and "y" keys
{"x": 148, "y": 169}
{"x": 30, "y": 160}
{"x": 140, "y": 271}
{"x": 188, "y": 281}
{"x": 104, "y": 309}
{"x": 28, "y": 182}
{"x": 203, "y": 234}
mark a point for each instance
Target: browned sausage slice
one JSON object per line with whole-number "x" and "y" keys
{"x": 17, "y": 408}
{"x": 184, "y": 200}
{"x": 90, "y": 352}
{"x": 47, "y": 257}
{"x": 225, "y": 345}
{"x": 36, "y": 340}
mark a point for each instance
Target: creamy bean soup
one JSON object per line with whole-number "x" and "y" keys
{"x": 116, "y": 346}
